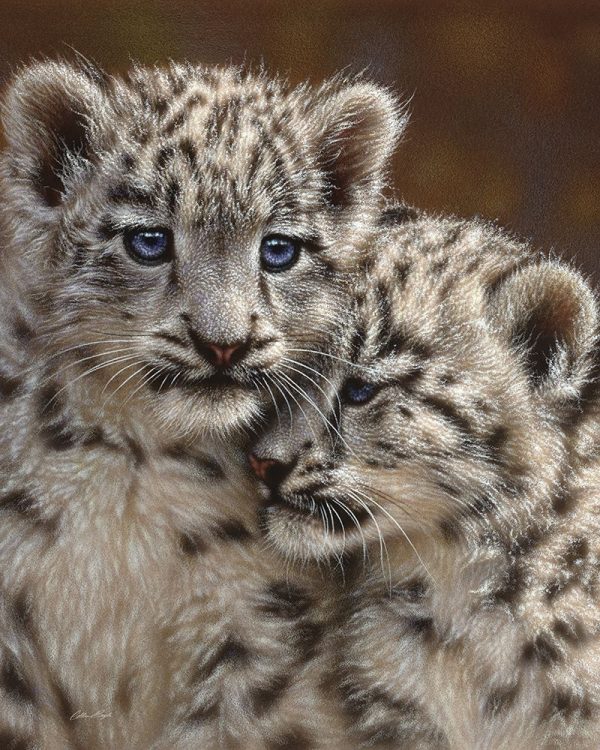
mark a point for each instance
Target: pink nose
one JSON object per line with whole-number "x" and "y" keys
{"x": 261, "y": 466}
{"x": 223, "y": 355}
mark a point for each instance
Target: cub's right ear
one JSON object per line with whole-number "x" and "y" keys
{"x": 48, "y": 121}
{"x": 549, "y": 316}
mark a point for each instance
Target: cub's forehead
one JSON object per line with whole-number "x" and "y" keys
{"x": 216, "y": 139}
{"x": 219, "y": 103}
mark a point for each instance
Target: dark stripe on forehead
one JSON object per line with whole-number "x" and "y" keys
{"x": 125, "y": 192}
{"x": 188, "y": 149}
{"x": 163, "y": 157}
{"x": 174, "y": 123}
{"x": 384, "y": 309}
{"x": 172, "y": 195}
{"x": 214, "y": 124}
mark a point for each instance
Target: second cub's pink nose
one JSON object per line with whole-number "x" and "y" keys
{"x": 261, "y": 466}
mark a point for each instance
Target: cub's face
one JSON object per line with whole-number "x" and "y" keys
{"x": 441, "y": 413}
{"x": 190, "y": 234}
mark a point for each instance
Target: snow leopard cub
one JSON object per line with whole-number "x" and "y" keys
{"x": 458, "y": 481}
{"x": 170, "y": 238}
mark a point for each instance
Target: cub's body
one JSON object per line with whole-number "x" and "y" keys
{"x": 176, "y": 244}
{"x": 464, "y": 476}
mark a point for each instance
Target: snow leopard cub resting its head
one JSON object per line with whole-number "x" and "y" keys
{"x": 448, "y": 486}
{"x": 189, "y": 228}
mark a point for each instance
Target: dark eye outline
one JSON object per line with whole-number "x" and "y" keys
{"x": 366, "y": 391}
{"x": 166, "y": 254}
{"x": 280, "y": 238}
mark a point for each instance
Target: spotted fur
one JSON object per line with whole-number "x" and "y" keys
{"x": 460, "y": 495}
{"x": 137, "y": 606}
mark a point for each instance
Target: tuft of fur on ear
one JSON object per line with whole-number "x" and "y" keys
{"x": 47, "y": 117}
{"x": 357, "y": 128}
{"x": 549, "y": 315}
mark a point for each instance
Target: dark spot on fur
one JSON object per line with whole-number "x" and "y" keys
{"x": 174, "y": 123}
{"x": 10, "y": 741}
{"x": 568, "y": 705}
{"x": 232, "y": 653}
{"x": 500, "y": 700}
{"x": 452, "y": 236}
{"x": 18, "y": 501}
{"x": 172, "y": 195}
{"x": 22, "y": 614}
{"x": 402, "y": 270}
{"x": 203, "y": 714}
{"x": 191, "y": 543}
{"x": 65, "y": 704}
{"x": 572, "y": 632}
{"x": 484, "y": 503}
{"x": 233, "y": 531}
{"x": 124, "y": 693}
{"x": 136, "y": 451}
{"x": 438, "y": 266}
{"x": 285, "y": 600}
{"x": 188, "y": 149}
{"x": 449, "y": 412}
{"x": 564, "y": 501}
{"x": 307, "y": 638}
{"x": 54, "y": 431}
{"x": 264, "y": 698}
{"x": 411, "y": 591}
{"x": 9, "y": 386}
{"x": 22, "y": 330}
{"x": 512, "y": 585}
{"x": 293, "y": 739}
{"x": 496, "y": 441}
{"x": 409, "y": 378}
{"x": 163, "y": 156}
{"x": 357, "y": 344}
{"x": 450, "y": 530}
{"x": 125, "y": 192}
{"x": 395, "y": 215}
{"x": 57, "y": 437}
{"x": 128, "y": 161}
{"x": 542, "y": 650}
{"x": 14, "y": 684}
{"x": 422, "y": 626}
{"x": 576, "y": 552}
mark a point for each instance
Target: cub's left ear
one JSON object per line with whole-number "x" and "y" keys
{"x": 48, "y": 115}
{"x": 354, "y": 130}
{"x": 549, "y": 315}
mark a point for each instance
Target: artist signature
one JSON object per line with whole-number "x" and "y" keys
{"x": 95, "y": 715}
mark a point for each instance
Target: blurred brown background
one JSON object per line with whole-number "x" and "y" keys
{"x": 505, "y": 95}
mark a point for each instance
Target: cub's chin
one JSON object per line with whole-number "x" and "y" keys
{"x": 213, "y": 413}
{"x": 302, "y": 536}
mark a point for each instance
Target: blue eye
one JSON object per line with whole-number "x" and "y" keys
{"x": 278, "y": 253}
{"x": 358, "y": 391}
{"x": 149, "y": 246}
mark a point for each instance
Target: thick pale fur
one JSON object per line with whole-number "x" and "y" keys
{"x": 462, "y": 495}
{"x": 138, "y": 606}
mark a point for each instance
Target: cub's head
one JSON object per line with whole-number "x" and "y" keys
{"x": 188, "y": 233}
{"x": 445, "y": 411}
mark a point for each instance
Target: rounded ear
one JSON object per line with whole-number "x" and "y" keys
{"x": 47, "y": 115}
{"x": 548, "y": 314}
{"x": 357, "y": 127}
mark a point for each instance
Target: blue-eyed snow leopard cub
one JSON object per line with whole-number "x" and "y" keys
{"x": 456, "y": 483}
{"x": 173, "y": 242}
